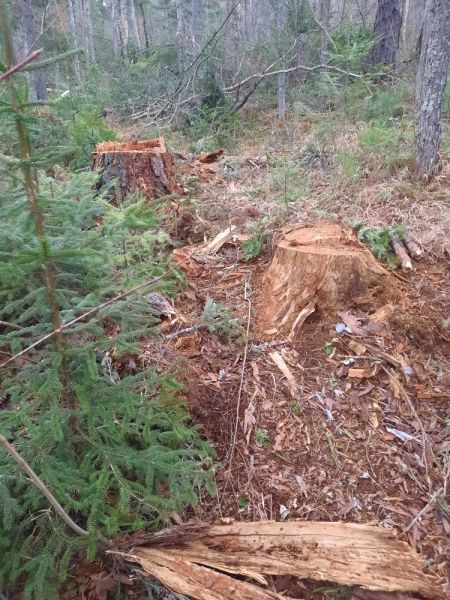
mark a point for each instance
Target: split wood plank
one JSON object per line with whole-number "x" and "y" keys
{"x": 345, "y": 553}
{"x": 216, "y": 243}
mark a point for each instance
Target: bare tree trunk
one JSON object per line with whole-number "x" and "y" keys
{"x": 181, "y": 33}
{"x": 118, "y": 39}
{"x": 124, "y": 21}
{"x": 196, "y": 14}
{"x": 432, "y": 79}
{"x": 134, "y": 24}
{"x": 325, "y": 21}
{"x": 387, "y": 29}
{"x": 73, "y": 38}
{"x": 39, "y": 84}
{"x": 88, "y": 31}
{"x": 144, "y": 25}
{"x": 281, "y": 17}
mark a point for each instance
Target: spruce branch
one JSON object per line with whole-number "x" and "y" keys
{"x": 21, "y": 462}
{"x": 90, "y": 313}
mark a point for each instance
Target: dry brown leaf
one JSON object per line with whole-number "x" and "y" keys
{"x": 352, "y": 323}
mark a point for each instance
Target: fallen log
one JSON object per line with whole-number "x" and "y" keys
{"x": 204, "y": 566}
{"x": 401, "y": 253}
{"x": 137, "y": 166}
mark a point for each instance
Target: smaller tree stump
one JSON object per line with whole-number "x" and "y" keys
{"x": 143, "y": 167}
{"x": 322, "y": 267}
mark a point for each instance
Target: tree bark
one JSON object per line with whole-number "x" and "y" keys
{"x": 325, "y": 21}
{"x": 118, "y": 36}
{"x": 73, "y": 38}
{"x": 88, "y": 33}
{"x": 324, "y": 266}
{"x": 387, "y": 29}
{"x": 430, "y": 86}
{"x": 134, "y": 24}
{"x": 133, "y": 167}
{"x": 37, "y": 77}
{"x": 196, "y": 32}
{"x": 144, "y": 26}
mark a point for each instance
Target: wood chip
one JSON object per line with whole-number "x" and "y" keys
{"x": 281, "y": 364}
{"x": 383, "y": 314}
{"x": 362, "y": 373}
{"x": 356, "y": 347}
{"x": 301, "y": 318}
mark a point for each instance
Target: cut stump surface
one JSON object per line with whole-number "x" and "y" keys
{"x": 325, "y": 266}
{"x": 137, "y": 166}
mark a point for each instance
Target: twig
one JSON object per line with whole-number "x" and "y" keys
{"x": 12, "y": 325}
{"x": 90, "y": 313}
{"x": 175, "y": 334}
{"x": 44, "y": 489}
{"x": 290, "y": 70}
{"x": 423, "y": 510}
{"x": 241, "y": 383}
{"x": 21, "y": 64}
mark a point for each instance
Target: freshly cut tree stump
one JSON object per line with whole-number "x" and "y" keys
{"x": 130, "y": 167}
{"x": 322, "y": 267}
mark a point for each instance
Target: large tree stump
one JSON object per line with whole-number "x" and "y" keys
{"x": 321, "y": 267}
{"x": 129, "y": 167}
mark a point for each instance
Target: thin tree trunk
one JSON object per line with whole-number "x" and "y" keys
{"x": 387, "y": 29}
{"x": 196, "y": 14}
{"x": 432, "y": 79}
{"x": 134, "y": 24}
{"x": 73, "y": 39}
{"x": 124, "y": 21}
{"x": 118, "y": 39}
{"x": 144, "y": 26}
{"x": 181, "y": 33}
{"x": 325, "y": 21}
{"x": 88, "y": 31}
{"x": 38, "y": 79}
{"x": 281, "y": 9}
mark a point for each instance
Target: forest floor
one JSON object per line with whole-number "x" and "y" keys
{"x": 317, "y": 444}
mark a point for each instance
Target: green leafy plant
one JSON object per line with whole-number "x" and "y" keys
{"x": 217, "y": 319}
{"x": 262, "y": 438}
{"x": 254, "y": 246}
{"x": 328, "y": 348}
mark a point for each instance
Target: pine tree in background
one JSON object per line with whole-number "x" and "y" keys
{"x": 117, "y": 451}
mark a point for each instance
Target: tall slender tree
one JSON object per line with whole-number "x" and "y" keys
{"x": 387, "y": 29}
{"x": 325, "y": 10}
{"x": 281, "y": 9}
{"x": 31, "y": 36}
{"x": 430, "y": 86}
